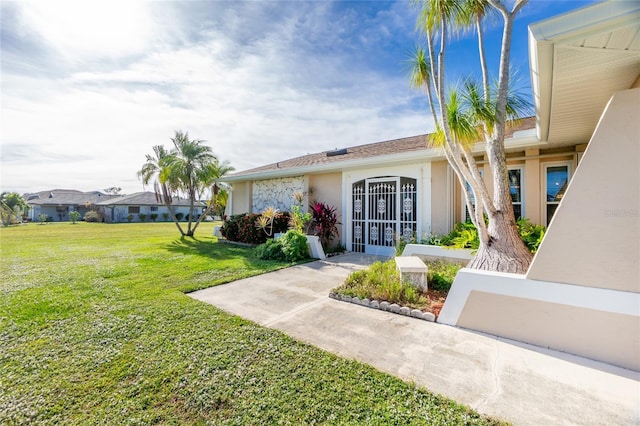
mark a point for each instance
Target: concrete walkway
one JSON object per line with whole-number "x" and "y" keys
{"x": 523, "y": 384}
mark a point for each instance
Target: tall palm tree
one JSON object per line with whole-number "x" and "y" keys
{"x": 192, "y": 168}
{"x": 152, "y": 171}
{"x": 500, "y": 248}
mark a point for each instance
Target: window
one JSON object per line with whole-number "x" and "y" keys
{"x": 467, "y": 217}
{"x": 154, "y": 208}
{"x": 134, "y": 209}
{"x": 515, "y": 189}
{"x": 556, "y": 179}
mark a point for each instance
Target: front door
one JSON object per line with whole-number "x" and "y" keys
{"x": 383, "y": 210}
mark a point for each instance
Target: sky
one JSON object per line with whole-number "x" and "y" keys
{"x": 87, "y": 88}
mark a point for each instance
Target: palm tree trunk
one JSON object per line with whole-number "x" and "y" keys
{"x": 504, "y": 251}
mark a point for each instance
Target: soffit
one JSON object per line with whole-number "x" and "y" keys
{"x": 578, "y": 60}
{"x": 584, "y": 80}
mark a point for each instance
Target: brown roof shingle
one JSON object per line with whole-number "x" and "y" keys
{"x": 377, "y": 149}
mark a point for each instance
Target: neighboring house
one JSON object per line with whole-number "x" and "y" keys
{"x": 56, "y": 204}
{"x": 119, "y": 208}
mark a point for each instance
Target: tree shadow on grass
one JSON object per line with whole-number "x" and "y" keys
{"x": 211, "y": 248}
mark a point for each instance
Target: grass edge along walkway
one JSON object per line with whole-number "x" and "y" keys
{"x": 95, "y": 329}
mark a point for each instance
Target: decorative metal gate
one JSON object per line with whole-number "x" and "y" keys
{"x": 384, "y": 209}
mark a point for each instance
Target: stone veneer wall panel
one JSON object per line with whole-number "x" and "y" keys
{"x": 277, "y": 193}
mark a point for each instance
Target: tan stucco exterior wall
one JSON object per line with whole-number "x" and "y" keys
{"x": 440, "y": 199}
{"x": 594, "y": 238}
{"x": 241, "y": 194}
{"x": 327, "y": 188}
{"x": 604, "y": 336}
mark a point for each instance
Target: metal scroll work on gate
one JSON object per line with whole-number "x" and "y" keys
{"x": 383, "y": 210}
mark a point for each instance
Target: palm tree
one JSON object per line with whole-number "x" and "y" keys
{"x": 12, "y": 205}
{"x": 501, "y": 248}
{"x": 152, "y": 171}
{"x": 192, "y": 169}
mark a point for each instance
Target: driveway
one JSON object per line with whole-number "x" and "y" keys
{"x": 520, "y": 383}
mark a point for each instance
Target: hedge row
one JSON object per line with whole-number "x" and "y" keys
{"x": 242, "y": 227}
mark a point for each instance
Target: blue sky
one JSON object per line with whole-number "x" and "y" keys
{"x": 87, "y": 88}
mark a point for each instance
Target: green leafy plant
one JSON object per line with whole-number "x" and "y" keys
{"x": 441, "y": 274}
{"x": 42, "y": 218}
{"x": 381, "y": 281}
{"x": 165, "y": 217}
{"x": 143, "y": 217}
{"x": 179, "y": 216}
{"x": 74, "y": 216}
{"x": 130, "y": 218}
{"x": 298, "y": 220}
{"x": 531, "y": 234}
{"x": 294, "y": 245}
{"x": 153, "y": 216}
{"x": 270, "y": 250}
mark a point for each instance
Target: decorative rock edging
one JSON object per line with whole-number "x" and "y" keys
{"x": 386, "y": 306}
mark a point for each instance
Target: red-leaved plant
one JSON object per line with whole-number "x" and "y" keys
{"x": 324, "y": 222}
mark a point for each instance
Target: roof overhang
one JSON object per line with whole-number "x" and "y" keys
{"x": 520, "y": 139}
{"x": 578, "y": 60}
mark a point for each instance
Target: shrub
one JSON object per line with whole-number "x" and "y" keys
{"x": 531, "y": 234}
{"x": 465, "y": 235}
{"x": 271, "y": 250}
{"x": 92, "y": 216}
{"x": 179, "y": 216}
{"x": 324, "y": 223}
{"x": 244, "y": 228}
{"x": 294, "y": 245}
{"x": 441, "y": 274}
{"x": 381, "y": 281}
{"x": 165, "y": 217}
{"x": 42, "y": 218}
{"x": 153, "y": 216}
{"x": 143, "y": 217}
{"x": 130, "y": 218}
{"x": 74, "y": 216}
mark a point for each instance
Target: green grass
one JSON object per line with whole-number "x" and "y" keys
{"x": 95, "y": 328}
{"x": 381, "y": 281}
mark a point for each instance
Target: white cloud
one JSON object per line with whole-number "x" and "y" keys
{"x": 81, "y": 28}
{"x": 261, "y": 81}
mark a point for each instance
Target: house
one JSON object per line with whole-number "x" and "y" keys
{"x": 142, "y": 205}
{"x": 574, "y": 167}
{"x": 56, "y": 204}
{"x": 405, "y": 187}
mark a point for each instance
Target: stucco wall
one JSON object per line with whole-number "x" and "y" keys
{"x": 441, "y": 204}
{"x": 594, "y": 237}
{"x": 600, "y": 335}
{"x": 240, "y": 198}
{"x": 327, "y": 188}
{"x": 276, "y": 193}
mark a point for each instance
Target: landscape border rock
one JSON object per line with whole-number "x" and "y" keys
{"x": 385, "y": 306}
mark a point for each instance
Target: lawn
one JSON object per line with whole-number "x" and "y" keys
{"x": 95, "y": 328}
